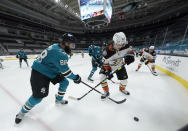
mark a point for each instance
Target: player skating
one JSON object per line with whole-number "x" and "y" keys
{"x": 22, "y": 56}
{"x": 148, "y": 56}
{"x": 116, "y": 54}
{"x": 51, "y": 66}
{"x": 96, "y": 54}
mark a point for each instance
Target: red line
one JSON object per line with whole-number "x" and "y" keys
{"x": 19, "y": 103}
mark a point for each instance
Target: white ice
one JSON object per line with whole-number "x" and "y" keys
{"x": 160, "y": 102}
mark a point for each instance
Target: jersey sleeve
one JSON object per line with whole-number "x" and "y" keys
{"x": 118, "y": 55}
{"x": 154, "y": 55}
{"x": 62, "y": 65}
{"x": 18, "y": 53}
{"x": 90, "y": 51}
{"x": 25, "y": 55}
{"x": 101, "y": 57}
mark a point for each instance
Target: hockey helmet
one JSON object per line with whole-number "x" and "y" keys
{"x": 119, "y": 39}
{"x": 151, "y": 47}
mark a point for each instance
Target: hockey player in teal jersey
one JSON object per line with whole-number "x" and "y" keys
{"x": 22, "y": 56}
{"x": 51, "y": 66}
{"x": 96, "y": 53}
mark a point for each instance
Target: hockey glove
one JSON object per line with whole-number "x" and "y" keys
{"x": 129, "y": 59}
{"x": 77, "y": 80}
{"x": 101, "y": 65}
{"x": 147, "y": 62}
{"x": 108, "y": 74}
{"x": 57, "y": 79}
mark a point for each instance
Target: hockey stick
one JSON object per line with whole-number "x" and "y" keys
{"x": 71, "y": 97}
{"x": 152, "y": 71}
{"x": 117, "y": 102}
{"x": 79, "y": 98}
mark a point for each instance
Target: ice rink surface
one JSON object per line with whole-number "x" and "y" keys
{"x": 160, "y": 102}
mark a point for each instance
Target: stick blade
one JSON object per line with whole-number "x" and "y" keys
{"x": 118, "y": 102}
{"x": 155, "y": 74}
{"x": 122, "y": 101}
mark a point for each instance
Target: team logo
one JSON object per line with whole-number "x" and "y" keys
{"x": 116, "y": 62}
{"x": 43, "y": 90}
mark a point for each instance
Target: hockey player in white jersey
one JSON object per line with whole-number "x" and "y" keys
{"x": 116, "y": 54}
{"x": 148, "y": 56}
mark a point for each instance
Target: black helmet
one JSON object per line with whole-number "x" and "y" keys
{"x": 67, "y": 38}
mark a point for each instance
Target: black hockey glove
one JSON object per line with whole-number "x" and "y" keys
{"x": 77, "y": 80}
{"x": 147, "y": 62}
{"x": 152, "y": 61}
{"x": 57, "y": 79}
{"x": 17, "y": 56}
{"x": 108, "y": 74}
{"x": 101, "y": 65}
{"x": 129, "y": 59}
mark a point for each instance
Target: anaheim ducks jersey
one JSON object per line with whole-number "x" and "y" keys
{"x": 114, "y": 58}
{"x": 149, "y": 55}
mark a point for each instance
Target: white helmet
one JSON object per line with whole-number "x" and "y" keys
{"x": 119, "y": 38}
{"x": 151, "y": 47}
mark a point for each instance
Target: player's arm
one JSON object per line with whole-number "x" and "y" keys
{"x": 150, "y": 58}
{"x": 129, "y": 58}
{"x": 153, "y": 58}
{"x": 25, "y": 54}
{"x": 18, "y": 54}
{"x": 154, "y": 55}
{"x": 90, "y": 51}
{"x": 101, "y": 59}
{"x": 120, "y": 54}
{"x": 64, "y": 69}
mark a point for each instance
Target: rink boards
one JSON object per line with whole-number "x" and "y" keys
{"x": 174, "y": 66}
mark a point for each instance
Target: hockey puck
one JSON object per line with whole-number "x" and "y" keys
{"x": 136, "y": 119}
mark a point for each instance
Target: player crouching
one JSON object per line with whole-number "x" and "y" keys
{"x": 116, "y": 55}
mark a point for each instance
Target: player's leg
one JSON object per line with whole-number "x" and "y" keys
{"x": 40, "y": 88}
{"x": 140, "y": 64}
{"x": 20, "y": 62}
{"x": 30, "y": 103}
{"x": 92, "y": 73}
{"x": 104, "y": 84}
{"x": 94, "y": 68}
{"x": 61, "y": 92}
{"x": 26, "y": 61}
{"x": 122, "y": 76}
{"x": 153, "y": 66}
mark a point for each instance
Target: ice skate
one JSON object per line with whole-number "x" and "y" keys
{"x": 19, "y": 117}
{"x": 63, "y": 102}
{"x": 106, "y": 94}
